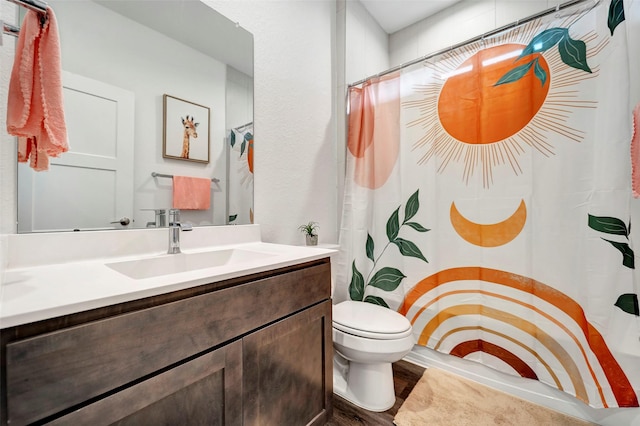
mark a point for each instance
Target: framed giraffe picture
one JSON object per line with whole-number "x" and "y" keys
{"x": 185, "y": 132}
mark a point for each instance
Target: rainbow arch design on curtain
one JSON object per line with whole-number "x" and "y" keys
{"x": 536, "y": 330}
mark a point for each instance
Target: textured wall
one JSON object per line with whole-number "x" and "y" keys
{"x": 295, "y": 151}
{"x": 367, "y": 44}
{"x": 460, "y": 22}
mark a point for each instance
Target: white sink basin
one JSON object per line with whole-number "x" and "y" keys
{"x": 183, "y": 262}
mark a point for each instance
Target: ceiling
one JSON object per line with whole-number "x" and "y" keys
{"x": 394, "y": 15}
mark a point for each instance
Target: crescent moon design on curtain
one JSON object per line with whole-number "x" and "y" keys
{"x": 489, "y": 235}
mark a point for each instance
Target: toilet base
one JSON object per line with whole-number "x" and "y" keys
{"x": 369, "y": 386}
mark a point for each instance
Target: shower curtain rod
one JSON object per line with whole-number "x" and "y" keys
{"x": 243, "y": 126}
{"x": 480, "y": 37}
{"x": 38, "y": 6}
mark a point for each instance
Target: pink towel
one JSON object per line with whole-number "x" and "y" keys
{"x": 35, "y": 110}
{"x": 190, "y": 193}
{"x": 635, "y": 153}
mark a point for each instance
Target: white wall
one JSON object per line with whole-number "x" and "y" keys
{"x": 295, "y": 151}
{"x": 458, "y": 23}
{"x": 367, "y": 44}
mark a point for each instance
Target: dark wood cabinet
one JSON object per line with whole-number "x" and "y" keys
{"x": 255, "y": 350}
{"x": 288, "y": 370}
{"x": 203, "y": 391}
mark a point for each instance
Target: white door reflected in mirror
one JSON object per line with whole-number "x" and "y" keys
{"x": 89, "y": 186}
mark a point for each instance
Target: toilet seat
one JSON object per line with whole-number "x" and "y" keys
{"x": 370, "y": 321}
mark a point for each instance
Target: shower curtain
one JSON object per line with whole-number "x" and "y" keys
{"x": 240, "y": 175}
{"x": 487, "y": 199}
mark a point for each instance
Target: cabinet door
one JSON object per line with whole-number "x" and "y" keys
{"x": 288, "y": 376}
{"x": 203, "y": 391}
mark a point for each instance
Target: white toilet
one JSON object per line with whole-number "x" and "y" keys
{"x": 367, "y": 338}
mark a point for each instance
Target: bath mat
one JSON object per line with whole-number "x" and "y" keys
{"x": 441, "y": 398}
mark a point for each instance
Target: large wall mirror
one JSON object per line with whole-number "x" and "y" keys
{"x": 122, "y": 61}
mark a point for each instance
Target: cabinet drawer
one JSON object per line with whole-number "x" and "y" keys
{"x": 59, "y": 370}
{"x": 203, "y": 391}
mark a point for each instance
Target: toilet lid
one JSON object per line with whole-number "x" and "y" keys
{"x": 369, "y": 320}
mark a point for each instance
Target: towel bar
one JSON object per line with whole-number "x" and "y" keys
{"x": 154, "y": 174}
{"x": 35, "y": 5}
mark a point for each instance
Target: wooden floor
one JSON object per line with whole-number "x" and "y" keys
{"x": 405, "y": 377}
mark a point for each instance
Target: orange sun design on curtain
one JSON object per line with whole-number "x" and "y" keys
{"x": 475, "y": 111}
{"x": 467, "y": 117}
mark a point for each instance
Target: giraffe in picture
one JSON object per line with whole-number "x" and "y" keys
{"x": 189, "y": 132}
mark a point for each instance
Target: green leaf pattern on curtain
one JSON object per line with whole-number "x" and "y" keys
{"x": 540, "y": 72}
{"x": 515, "y": 74}
{"x": 393, "y": 225}
{"x": 544, "y": 41}
{"x": 356, "y": 288}
{"x": 609, "y": 225}
{"x": 388, "y": 278}
{"x": 407, "y": 248}
{"x": 628, "y": 303}
{"x": 376, "y": 300}
{"x": 627, "y": 253}
{"x": 572, "y": 52}
{"x": 370, "y": 247}
{"x": 616, "y": 14}
{"x": 614, "y": 226}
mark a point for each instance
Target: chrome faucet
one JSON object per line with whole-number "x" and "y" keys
{"x": 174, "y": 230}
{"x": 161, "y": 219}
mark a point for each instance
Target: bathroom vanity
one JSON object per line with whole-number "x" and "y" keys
{"x": 247, "y": 349}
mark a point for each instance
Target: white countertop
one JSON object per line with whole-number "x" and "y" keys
{"x": 35, "y": 291}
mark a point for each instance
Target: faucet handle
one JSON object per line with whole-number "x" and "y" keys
{"x": 174, "y": 216}
{"x": 174, "y": 220}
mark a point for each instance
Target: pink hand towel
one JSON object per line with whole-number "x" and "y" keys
{"x": 191, "y": 193}
{"x": 635, "y": 153}
{"x": 35, "y": 110}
